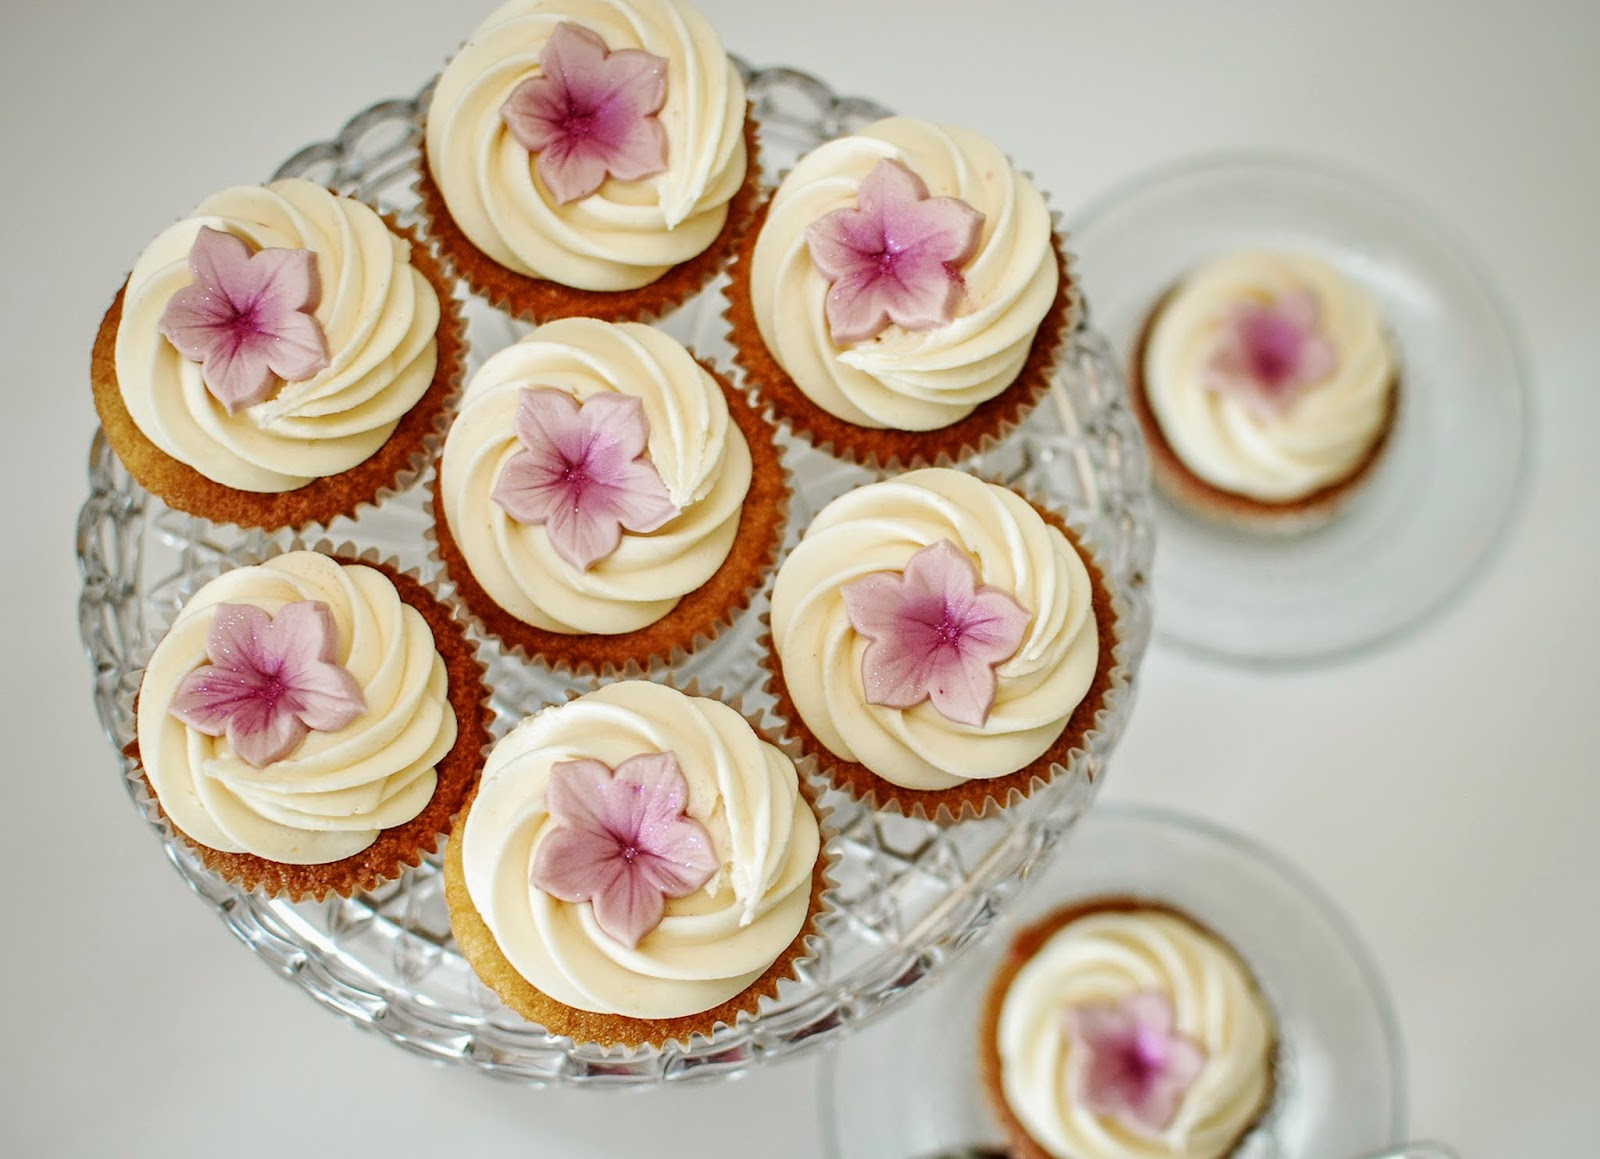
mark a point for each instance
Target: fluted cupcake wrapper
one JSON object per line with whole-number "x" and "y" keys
{"x": 532, "y": 299}
{"x": 1112, "y": 683}
{"x": 393, "y": 469}
{"x": 403, "y": 846}
{"x": 883, "y": 450}
{"x": 619, "y": 1034}
{"x": 697, "y": 620}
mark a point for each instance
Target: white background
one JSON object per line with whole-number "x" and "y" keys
{"x": 1444, "y": 790}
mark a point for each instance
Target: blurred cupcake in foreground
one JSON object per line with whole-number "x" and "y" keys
{"x": 1122, "y": 1029}
{"x": 637, "y": 866}
{"x": 940, "y": 644}
{"x": 901, "y": 297}
{"x": 278, "y": 358}
{"x": 588, "y": 158}
{"x": 311, "y": 724}
{"x": 605, "y": 498}
{"x": 1267, "y": 389}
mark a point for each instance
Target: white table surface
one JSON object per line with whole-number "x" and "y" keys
{"x": 1444, "y": 790}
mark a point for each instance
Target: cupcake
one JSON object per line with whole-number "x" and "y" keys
{"x": 1123, "y": 1029}
{"x": 589, "y": 158}
{"x": 638, "y": 865}
{"x": 901, "y": 297}
{"x": 311, "y": 724}
{"x": 604, "y": 498}
{"x": 278, "y": 358}
{"x": 940, "y": 644}
{"x": 1267, "y": 389}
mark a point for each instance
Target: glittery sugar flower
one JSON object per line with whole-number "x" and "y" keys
{"x": 247, "y": 318}
{"x": 590, "y": 112}
{"x": 583, "y": 473}
{"x": 1127, "y": 1062}
{"x": 622, "y": 842}
{"x": 271, "y": 680}
{"x": 1268, "y": 353}
{"x": 936, "y": 634}
{"x": 896, "y": 257}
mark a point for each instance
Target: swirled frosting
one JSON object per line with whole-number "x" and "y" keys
{"x": 913, "y": 380}
{"x": 379, "y": 314}
{"x": 1322, "y": 435}
{"x": 699, "y": 452}
{"x": 330, "y": 798}
{"x": 710, "y": 945}
{"x": 879, "y": 528}
{"x": 630, "y": 232}
{"x": 1105, "y": 956}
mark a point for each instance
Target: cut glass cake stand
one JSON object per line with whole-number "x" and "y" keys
{"x": 910, "y": 894}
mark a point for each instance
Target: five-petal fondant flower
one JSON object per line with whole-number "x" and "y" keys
{"x": 590, "y": 112}
{"x": 583, "y": 473}
{"x": 1128, "y": 1062}
{"x": 622, "y": 842}
{"x": 896, "y": 257}
{"x": 935, "y": 634}
{"x": 247, "y": 318}
{"x": 1267, "y": 353}
{"x": 270, "y": 680}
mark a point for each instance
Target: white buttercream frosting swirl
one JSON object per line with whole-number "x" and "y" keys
{"x": 878, "y": 528}
{"x": 710, "y": 945}
{"x": 379, "y": 314}
{"x": 1104, "y": 957}
{"x": 912, "y": 380}
{"x": 700, "y": 453}
{"x": 629, "y": 232}
{"x": 329, "y": 798}
{"x": 1323, "y": 434}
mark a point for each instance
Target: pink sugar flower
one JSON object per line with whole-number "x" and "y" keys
{"x": 590, "y": 113}
{"x": 1128, "y": 1063}
{"x": 936, "y": 634}
{"x": 895, "y": 258}
{"x": 583, "y": 473}
{"x": 1268, "y": 354}
{"x": 247, "y": 318}
{"x": 622, "y": 842}
{"x": 270, "y": 682}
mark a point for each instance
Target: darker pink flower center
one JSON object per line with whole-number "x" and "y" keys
{"x": 1275, "y": 345}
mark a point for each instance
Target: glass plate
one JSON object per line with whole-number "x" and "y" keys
{"x": 910, "y": 894}
{"x": 1445, "y": 488}
{"x": 910, "y": 1086}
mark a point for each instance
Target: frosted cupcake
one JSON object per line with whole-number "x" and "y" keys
{"x": 637, "y": 866}
{"x": 603, "y": 497}
{"x": 1266, "y": 388}
{"x": 277, "y": 358}
{"x": 311, "y": 724}
{"x": 939, "y": 643}
{"x": 1123, "y": 1029}
{"x": 588, "y": 157}
{"x": 901, "y": 297}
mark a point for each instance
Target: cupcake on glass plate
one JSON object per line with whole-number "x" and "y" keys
{"x": 638, "y": 866}
{"x": 588, "y": 157}
{"x": 940, "y": 644}
{"x": 901, "y": 297}
{"x": 1119, "y": 1028}
{"x": 278, "y": 358}
{"x": 1267, "y": 389}
{"x": 604, "y": 498}
{"x": 311, "y": 724}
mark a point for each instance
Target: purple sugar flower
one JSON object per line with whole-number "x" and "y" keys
{"x": 1128, "y": 1062}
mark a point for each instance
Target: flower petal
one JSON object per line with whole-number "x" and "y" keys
{"x": 585, "y": 531}
{"x": 961, "y": 686}
{"x": 324, "y": 696}
{"x": 303, "y": 632}
{"x": 530, "y": 489}
{"x": 628, "y": 906}
{"x": 239, "y": 638}
{"x": 210, "y": 695}
{"x": 614, "y": 422}
{"x": 547, "y": 423}
{"x": 264, "y": 730}
{"x": 641, "y": 500}
{"x": 575, "y": 796}
{"x": 572, "y": 169}
{"x": 572, "y": 864}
